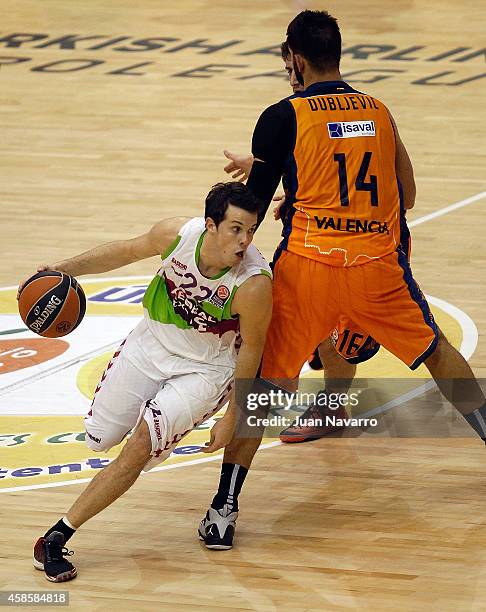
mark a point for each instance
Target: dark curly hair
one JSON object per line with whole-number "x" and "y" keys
{"x": 224, "y": 194}
{"x": 316, "y": 36}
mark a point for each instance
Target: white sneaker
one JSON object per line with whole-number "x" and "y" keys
{"x": 217, "y": 528}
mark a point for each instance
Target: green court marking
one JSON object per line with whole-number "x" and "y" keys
{"x": 13, "y": 331}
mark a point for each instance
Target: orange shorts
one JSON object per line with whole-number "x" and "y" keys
{"x": 310, "y": 300}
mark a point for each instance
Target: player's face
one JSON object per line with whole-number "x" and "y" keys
{"x": 234, "y": 234}
{"x": 294, "y": 83}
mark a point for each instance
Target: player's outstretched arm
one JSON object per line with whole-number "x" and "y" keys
{"x": 273, "y": 140}
{"x": 120, "y": 253}
{"x": 404, "y": 169}
{"x": 253, "y": 304}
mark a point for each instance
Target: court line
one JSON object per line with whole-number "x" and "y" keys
{"x": 444, "y": 211}
{"x": 155, "y": 469}
{"x": 55, "y": 369}
{"x": 470, "y": 336}
{"x": 97, "y": 279}
{"x": 466, "y": 345}
{"x": 438, "y": 213}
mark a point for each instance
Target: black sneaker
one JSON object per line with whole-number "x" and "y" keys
{"x": 49, "y": 556}
{"x": 217, "y": 528}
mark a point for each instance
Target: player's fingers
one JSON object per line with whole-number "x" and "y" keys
{"x": 230, "y": 167}
{"x": 228, "y": 154}
{"x": 210, "y": 449}
{"x": 238, "y": 173}
{"x": 41, "y": 268}
{"x": 208, "y": 445}
{"x": 20, "y": 287}
{"x": 213, "y": 446}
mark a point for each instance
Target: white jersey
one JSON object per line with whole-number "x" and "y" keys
{"x": 189, "y": 314}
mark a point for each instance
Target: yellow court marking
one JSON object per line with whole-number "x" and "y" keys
{"x": 49, "y": 450}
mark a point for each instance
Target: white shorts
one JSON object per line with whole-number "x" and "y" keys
{"x": 173, "y": 396}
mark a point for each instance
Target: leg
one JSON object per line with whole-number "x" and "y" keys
{"x": 338, "y": 373}
{"x": 114, "y": 480}
{"x": 247, "y": 439}
{"x": 217, "y": 528}
{"x": 318, "y": 421}
{"x": 237, "y": 459}
{"x": 104, "y": 489}
{"x": 454, "y": 377}
{"x": 394, "y": 310}
{"x": 115, "y": 410}
{"x": 338, "y": 356}
{"x": 241, "y": 451}
{"x": 297, "y": 326}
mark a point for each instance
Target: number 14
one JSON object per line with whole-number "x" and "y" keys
{"x": 360, "y": 183}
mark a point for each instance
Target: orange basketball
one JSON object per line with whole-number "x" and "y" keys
{"x": 52, "y": 304}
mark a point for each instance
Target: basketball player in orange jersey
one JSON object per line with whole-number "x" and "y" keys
{"x": 347, "y": 346}
{"x": 341, "y": 152}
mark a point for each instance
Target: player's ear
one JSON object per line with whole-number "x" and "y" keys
{"x": 211, "y": 225}
{"x": 300, "y": 62}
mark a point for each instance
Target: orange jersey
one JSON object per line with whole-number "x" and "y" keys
{"x": 343, "y": 205}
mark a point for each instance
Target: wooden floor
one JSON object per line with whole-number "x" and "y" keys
{"x": 135, "y": 135}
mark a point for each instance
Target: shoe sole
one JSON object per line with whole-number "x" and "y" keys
{"x": 37, "y": 564}
{"x": 61, "y": 578}
{"x": 214, "y": 546}
{"x": 296, "y": 438}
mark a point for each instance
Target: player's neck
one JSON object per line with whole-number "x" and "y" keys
{"x": 318, "y": 77}
{"x": 209, "y": 263}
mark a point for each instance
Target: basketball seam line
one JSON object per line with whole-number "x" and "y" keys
{"x": 42, "y": 296}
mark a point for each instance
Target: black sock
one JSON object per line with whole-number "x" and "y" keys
{"x": 61, "y": 526}
{"x": 477, "y": 420}
{"x": 230, "y": 483}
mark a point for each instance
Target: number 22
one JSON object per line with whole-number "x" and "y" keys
{"x": 193, "y": 283}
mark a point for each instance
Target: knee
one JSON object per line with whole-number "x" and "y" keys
{"x": 102, "y": 442}
{"x": 327, "y": 348}
{"x": 141, "y": 437}
{"x": 442, "y": 343}
{"x": 442, "y": 346}
{"x": 139, "y": 447}
{"x": 441, "y": 339}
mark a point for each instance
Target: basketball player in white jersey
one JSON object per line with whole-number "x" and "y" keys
{"x": 206, "y": 314}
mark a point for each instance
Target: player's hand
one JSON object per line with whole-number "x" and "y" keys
{"x": 42, "y": 268}
{"x": 240, "y": 165}
{"x": 221, "y": 434}
{"x": 280, "y": 199}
